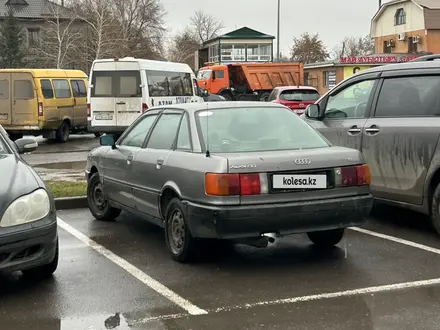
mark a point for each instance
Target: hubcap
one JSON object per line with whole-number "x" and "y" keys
{"x": 98, "y": 197}
{"x": 177, "y": 231}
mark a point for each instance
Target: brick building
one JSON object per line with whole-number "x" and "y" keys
{"x": 407, "y": 26}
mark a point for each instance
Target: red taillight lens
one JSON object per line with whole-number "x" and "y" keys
{"x": 232, "y": 184}
{"x": 144, "y": 107}
{"x": 250, "y": 184}
{"x": 89, "y": 110}
{"x": 355, "y": 176}
{"x": 40, "y": 109}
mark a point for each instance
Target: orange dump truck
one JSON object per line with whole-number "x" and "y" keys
{"x": 249, "y": 81}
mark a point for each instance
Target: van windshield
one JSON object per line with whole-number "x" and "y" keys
{"x": 116, "y": 84}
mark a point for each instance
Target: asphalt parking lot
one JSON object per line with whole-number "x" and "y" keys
{"x": 119, "y": 276}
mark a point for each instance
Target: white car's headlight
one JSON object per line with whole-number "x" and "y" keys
{"x": 28, "y": 208}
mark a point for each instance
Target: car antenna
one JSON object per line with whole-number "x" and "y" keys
{"x": 208, "y": 154}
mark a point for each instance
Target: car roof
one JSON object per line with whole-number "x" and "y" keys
{"x": 197, "y": 106}
{"x": 284, "y": 88}
{"x": 402, "y": 66}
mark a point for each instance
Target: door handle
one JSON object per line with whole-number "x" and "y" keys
{"x": 159, "y": 161}
{"x": 373, "y": 129}
{"x": 354, "y": 130}
{"x": 129, "y": 159}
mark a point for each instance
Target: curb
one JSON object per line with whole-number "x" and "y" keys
{"x": 70, "y": 203}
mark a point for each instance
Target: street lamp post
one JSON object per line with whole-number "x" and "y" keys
{"x": 278, "y": 32}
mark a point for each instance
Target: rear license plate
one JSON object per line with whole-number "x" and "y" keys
{"x": 299, "y": 181}
{"x": 104, "y": 116}
{"x": 3, "y": 116}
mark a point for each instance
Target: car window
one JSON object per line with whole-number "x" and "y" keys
{"x": 255, "y": 129}
{"x": 183, "y": 139}
{"x": 62, "y": 89}
{"x": 46, "y": 88}
{"x": 165, "y": 131}
{"x": 23, "y": 89}
{"x": 219, "y": 74}
{"x": 78, "y": 88}
{"x": 136, "y": 137}
{"x": 350, "y": 102}
{"x": 272, "y": 96}
{"x": 4, "y": 89}
{"x": 299, "y": 95}
{"x": 409, "y": 96}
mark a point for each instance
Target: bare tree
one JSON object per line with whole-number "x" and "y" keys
{"x": 183, "y": 47}
{"x": 354, "y": 46}
{"x": 205, "y": 26}
{"x": 59, "y": 35}
{"x": 141, "y": 27}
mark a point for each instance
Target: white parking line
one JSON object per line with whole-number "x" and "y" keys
{"x": 397, "y": 240}
{"x": 134, "y": 271}
{"x": 321, "y": 296}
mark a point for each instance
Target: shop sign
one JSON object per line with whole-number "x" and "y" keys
{"x": 376, "y": 59}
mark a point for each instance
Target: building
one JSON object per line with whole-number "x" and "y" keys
{"x": 242, "y": 45}
{"x": 407, "y": 26}
{"x": 326, "y": 75}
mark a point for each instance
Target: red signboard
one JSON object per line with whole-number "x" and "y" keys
{"x": 376, "y": 59}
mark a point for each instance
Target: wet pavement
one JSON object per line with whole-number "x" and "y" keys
{"x": 76, "y": 143}
{"x": 119, "y": 276}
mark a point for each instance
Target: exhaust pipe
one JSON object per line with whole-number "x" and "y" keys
{"x": 271, "y": 237}
{"x": 259, "y": 242}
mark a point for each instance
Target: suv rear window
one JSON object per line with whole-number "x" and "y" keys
{"x": 299, "y": 95}
{"x": 255, "y": 130}
{"x": 116, "y": 84}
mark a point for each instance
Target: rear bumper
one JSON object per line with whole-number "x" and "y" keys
{"x": 105, "y": 129}
{"x": 30, "y": 248}
{"x": 287, "y": 218}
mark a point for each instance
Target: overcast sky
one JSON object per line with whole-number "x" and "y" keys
{"x": 333, "y": 20}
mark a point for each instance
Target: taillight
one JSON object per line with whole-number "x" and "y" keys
{"x": 355, "y": 176}
{"x": 89, "y": 110}
{"x": 40, "y": 109}
{"x": 144, "y": 107}
{"x": 232, "y": 184}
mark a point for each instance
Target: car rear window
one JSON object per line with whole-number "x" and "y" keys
{"x": 116, "y": 84}
{"x": 299, "y": 95}
{"x": 255, "y": 129}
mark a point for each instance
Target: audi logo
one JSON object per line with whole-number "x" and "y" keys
{"x": 303, "y": 161}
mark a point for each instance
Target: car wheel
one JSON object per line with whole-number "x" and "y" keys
{"x": 181, "y": 244}
{"x": 44, "y": 271}
{"x": 227, "y": 96}
{"x": 97, "y": 134}
{"x": 327, "y": 238}
{"x": 264, "y": 97}
{"x": 63, "y": 132}
{"x": 435, "y": 209}
{"x": 98, "y": 204}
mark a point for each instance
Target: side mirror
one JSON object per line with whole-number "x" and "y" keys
{"x": 26, "y": 145}
{"x": 313, "y": 111}
{"x": 108, "y": 141}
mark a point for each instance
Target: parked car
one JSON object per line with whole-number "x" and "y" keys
{"x": 241, "y": 171}
{"x": 28, "y": 221}
{"x": 297, "y": 98}
{"x": 391, "y": 114}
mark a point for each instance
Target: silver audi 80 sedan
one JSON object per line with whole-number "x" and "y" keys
{"x": 28, "y": 221}
{"x": 247, "y": 172}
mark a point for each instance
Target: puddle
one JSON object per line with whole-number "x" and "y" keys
{"x": 79, "y": 165}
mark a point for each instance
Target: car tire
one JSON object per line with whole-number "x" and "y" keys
{"x": 264, "y": 97}
{"x": 435, "y": 209}
{"x": 63, "y": 132}
{"x": 227, "y": 96}
{"x": 328, "y": 238}
{"x": 182, "y": 246}
{"x": 44, "y": 271}
{"x": 98, "y": 204}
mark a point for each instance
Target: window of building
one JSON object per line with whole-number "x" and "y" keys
{"x": 329, "y": 79}
{"x": 409, "y": 96}
{"x": 213, "y": 54}
{"x": 257, "y": 53}
{"x": 226, "y": 52}
{"x": 400, "y": 17}
{"x": 412, "y": 47}
{"x": 33, "y": 37}
{"x": 387, "y": 49}
{"x": 306, "y": 79}
{"x": 46, "y": 88}
{"x": 239, "y": 53}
